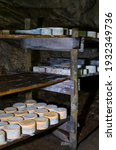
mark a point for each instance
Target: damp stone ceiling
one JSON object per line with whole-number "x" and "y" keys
{"x": 83, "y": 14}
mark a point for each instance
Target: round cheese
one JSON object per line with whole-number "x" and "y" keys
{"x": 10, "y": 110}
{"x": 31, "y": 109}
{"x": 42, "y": 123}
{"x": 13, "y": 131}
{"x": 41, "y": 105}
{"x": 30, "y": 102}
{"x": 19, "y": 106}
{"x": 28, "y": 126}
{"x": 15, "y": 120}
{"x": 20, "y": 113}
{"x": 2, "y": 112}
{"x": 2, "y": 138}
{"x": 52, "y": 116}
{"x": 62, "y": 112}
{"x": 5, "y": 117}
{"x": 41, "y": 112}
{"x": 2, "y": 124}
{"x": 30, "y": 116}
{"x": 51, "y": 107}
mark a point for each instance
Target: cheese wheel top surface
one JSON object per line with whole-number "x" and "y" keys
{"x": 27, "y": 122}
{"x": 2, "y": 111}
{"x": 41, "y": 105}
{"x": 29, "y": 108}
{"x": 10, "y": 109}
{"x": 60, "y": 109}
{"x": 20, "y": 113}
{"x": 31, "y": 101}
{"x": 32, "y": 115}
{"x": 3, "y": 123}
{"x": 51, "y": 114}
{"x": 5, "y": 115}
{"x": 11, "y": 127}
{"x": 16, "y": 119}
{"x": 42, "y": 110}
{"x": 41, "y": 119}
{"x": 51, "y": 106}
{"x": 19, "y": 105}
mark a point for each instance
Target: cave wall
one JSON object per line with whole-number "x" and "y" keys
{"x": 65, "y": 13}
{"x": 13, "y": 58}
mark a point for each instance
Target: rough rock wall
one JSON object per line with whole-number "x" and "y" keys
{"x": 66, "y": 13}
{"x": 13, "y": 58}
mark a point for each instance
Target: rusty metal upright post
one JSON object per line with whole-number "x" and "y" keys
{"x": 74, "y": 100}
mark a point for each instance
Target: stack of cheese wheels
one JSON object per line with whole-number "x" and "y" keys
{"x": 13, "y": 131}
{"x": 5, "y": 117}
{"x": 2, "y": 137}
{"x": 2, "y": 111}
{"x": 51, "y": 107}
{"x": 30, "y": 102}
{"x": 10, "y": 110}
{"x": 41, "y": 112}
{"x": 31, "y": 109}
{"x": 42, "y": 123}
{"x": 52, "y": 116}
{"x": 19, "y": 106}
{"x": 15, "y": 120}
{"x": 2, "y": 124}
{"x": 41, "y": 105}
{"x": 20, "y": 113}
{"x": 30, "y": 116}
{"x": 28, "y": 126}
{"x": 62, "y": 112}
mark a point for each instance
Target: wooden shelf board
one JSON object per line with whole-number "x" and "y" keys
{"x": 25, "y": 36}
{"x": 27, "y": 81}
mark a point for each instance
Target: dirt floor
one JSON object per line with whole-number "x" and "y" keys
{"x": 50, "y": 142}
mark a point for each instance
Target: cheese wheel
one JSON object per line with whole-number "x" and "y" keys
{"x": 41, "y": 105}
{"x": 51, "y": 107}
{"x": 30, "y": 102}
{"x": 10, "y": 110}
{"x": 15, "y": 120}
{"x": 41, "y": 112}
{"x": 19, "y": 106}
{"x": 52, "y": 116}
{"x": 30, "y": 116}
{"x": 2, "y": 124}
{"x": 2, "y": 137}
{"x": 28, "y": 126}
{"x": 62, "y": 112}
{"x": 5, "y": 117}
{"x": 31, "y": 109}
{"x": 20, "y": 113}
{"x": 13, "y": 131}
{"x": 42, "y": 123}
{"x": 2, "y": 112}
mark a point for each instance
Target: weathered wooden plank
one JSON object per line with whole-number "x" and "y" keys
{"x": 74, "y": 101}
{"x": 24, "y": 36}
{"x": 27, "y": 81}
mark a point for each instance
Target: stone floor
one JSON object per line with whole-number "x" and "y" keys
{"x": 50, "y": 142}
